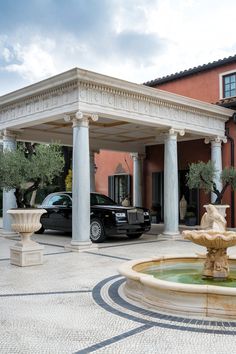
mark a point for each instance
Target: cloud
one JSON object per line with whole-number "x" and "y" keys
{"x": 32, "y": 60}
{"x": 137, "y": 40}
{"x": 140, "y": 47}
{"x": 90, "y": 34}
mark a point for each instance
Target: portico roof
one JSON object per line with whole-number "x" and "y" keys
{"x": 130, "y": 115}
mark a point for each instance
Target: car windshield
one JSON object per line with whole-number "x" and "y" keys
{"x": 99, "y": 199}
{"x": 58, "y": 200}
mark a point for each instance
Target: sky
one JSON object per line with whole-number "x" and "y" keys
{"x": 134, "y": 40}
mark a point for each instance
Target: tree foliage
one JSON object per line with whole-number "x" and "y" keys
{"x": 68, "y": 181}
{"x": 202, "y": 175}
{"x": 27, "y": 172}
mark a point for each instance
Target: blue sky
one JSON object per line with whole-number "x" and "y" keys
{"x": 135, "y": 40}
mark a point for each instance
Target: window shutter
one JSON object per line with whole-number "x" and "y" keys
{"x": 111, "y": 187}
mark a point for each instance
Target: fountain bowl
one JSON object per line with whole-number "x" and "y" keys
{"x": 184, "y": 299}
{"x": 211, "y": 238}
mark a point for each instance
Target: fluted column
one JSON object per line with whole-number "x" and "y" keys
{"x": 216, "y": 158}
{"x": 9, "y": 200}
{"x": 171, "y": 187}
{"x": 81, "y": 183}
{"x": 137, "y": 179}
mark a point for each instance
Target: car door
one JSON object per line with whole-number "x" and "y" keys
{"x": 59, "y": 213}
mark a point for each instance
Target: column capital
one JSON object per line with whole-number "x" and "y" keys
{"x": 215, "y": 140}
{"x": 80, "y": 119}
{"x": 137, "y": 156}
{"x": 172, "y": 133}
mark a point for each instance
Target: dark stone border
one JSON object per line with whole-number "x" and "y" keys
{"x": 53, "y": 253}
{"x": 107, "y": 255}
{"x": 114, "y": 295}
{"x": 47, "y": 293}
{"x": 113, "y": 340}
{"x": 129, "y": 243}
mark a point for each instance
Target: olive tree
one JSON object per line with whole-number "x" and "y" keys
{"x": 203, "y": 174}
{"x": 25, "y": 173}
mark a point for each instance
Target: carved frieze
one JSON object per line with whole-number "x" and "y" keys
{"x": 123, "y": 102}
{"x": 147, "y": 106}
{"x": 39, "y": 103}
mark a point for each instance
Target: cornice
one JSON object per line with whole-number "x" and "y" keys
{"x": 38, "y": 88}
{"x": 77, "y": 78}
{"x": 43, "y": 94}
{"x": 155, "y": 97}
{"x": 138, "y": 91}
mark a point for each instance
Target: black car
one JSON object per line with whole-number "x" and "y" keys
{"x": 107, "y": 217}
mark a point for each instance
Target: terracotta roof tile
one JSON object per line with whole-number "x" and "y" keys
{"x": 191, "y": 71}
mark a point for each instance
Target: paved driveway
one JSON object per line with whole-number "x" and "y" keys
{"x": 73, "y": 304}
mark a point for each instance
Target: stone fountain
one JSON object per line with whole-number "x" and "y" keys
{"x": 216, "y": 239}
{"x": 201, "y": 285}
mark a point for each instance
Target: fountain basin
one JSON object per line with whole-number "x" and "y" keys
{"x": 173, "y": 296}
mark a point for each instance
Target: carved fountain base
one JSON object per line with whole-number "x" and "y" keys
{"x": 216, "y": 265}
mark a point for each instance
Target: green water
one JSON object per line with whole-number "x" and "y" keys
{"x": 188, "y": 273}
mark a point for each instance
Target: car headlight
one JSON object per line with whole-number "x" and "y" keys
{"x": 146, "y": 213}
{"x": 120, "y": 215}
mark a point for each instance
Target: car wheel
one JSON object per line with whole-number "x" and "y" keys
{"x": 137, "y": 235}
{"x": 97, "y": 233}
{"x": 40, "y": 231}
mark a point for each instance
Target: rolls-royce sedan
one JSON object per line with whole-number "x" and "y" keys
{"x": 106, "y": 217}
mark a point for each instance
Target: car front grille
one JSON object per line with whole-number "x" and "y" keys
{"x": 135, "y": 216}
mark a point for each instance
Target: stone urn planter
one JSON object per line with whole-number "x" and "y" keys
{"x": 26, "y": 252}
{"x": 221, "y": 208}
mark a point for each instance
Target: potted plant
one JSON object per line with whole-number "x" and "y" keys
{"x": 25, "y": 170}
{"x": 202, "y": 175}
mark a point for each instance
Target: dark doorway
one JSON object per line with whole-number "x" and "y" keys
{"x": 190, "y": 195}
{"x": 158, "y": 195}
{"x": 119, "y": 186}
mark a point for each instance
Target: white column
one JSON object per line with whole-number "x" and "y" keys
{"x": 171, "y": 188}
{"x": 81, "y": 184}
{"x": 216, "y": 157}
{"x": 9, "y": 200}
{"x": 92, "y": 171}
{"x": 137, "y": 179}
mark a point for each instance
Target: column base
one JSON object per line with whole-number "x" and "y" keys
{"x": 8, "y": 234}
{"x": 23, "y": 256}
{"x": 172, "y": 234}
{"x": 78, "y": 246}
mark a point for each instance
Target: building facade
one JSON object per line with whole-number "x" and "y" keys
{"x": 214, "y": 83}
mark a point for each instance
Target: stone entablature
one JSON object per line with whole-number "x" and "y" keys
{"x": 103, "y": 95}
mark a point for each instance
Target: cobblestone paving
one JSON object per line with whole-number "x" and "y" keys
{"x": 74, "y": 303}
